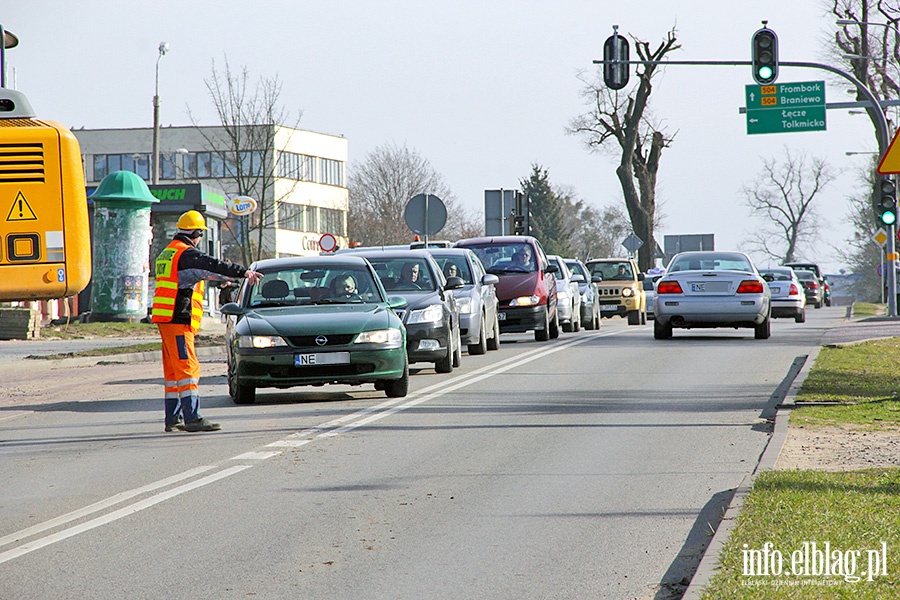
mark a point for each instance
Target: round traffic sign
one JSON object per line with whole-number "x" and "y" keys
{"x": 328, "y": 243}
{"x": 425, "y": 214}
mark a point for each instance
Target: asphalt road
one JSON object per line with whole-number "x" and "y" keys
{"x": 589, "y": 467}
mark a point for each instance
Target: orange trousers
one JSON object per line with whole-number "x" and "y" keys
{"x": 181, "y": 371}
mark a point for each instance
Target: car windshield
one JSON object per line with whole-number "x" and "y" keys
{"x": 560, "y": 271}
{"x": 710, "y": 262}
{"x": 506, "y": 258}
{"x": 612, "y": 270}
{"x": 315, "y": 284}
{"x": 411, "y": 274}
{"x": 578, "y": 269}
{"x": 455, "y": 266}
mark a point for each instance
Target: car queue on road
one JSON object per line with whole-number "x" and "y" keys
{"x": 364, "y": 315}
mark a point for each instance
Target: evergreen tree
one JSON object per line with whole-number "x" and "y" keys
{"x": 548, "y": 221}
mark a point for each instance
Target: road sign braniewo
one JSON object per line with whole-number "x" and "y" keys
{"x": 786, "y": 107}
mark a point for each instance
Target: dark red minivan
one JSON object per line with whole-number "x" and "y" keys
{"x": 527, "y": 288}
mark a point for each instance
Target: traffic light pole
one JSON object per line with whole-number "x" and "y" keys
{"x": 881, "y": 132}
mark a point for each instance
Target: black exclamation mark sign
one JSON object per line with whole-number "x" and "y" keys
{"x": 21, "y": 210}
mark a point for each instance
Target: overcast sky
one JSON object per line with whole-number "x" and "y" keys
{"x": 482, "y": 89}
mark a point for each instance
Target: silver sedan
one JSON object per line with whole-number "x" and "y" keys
{"x": 712, "y": 289}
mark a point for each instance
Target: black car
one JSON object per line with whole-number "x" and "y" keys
{"x": 431, "y": 316}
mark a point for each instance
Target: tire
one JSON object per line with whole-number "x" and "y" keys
{"x": 481, "y": 346}
{"x": 576, "y": 312}
{"x": 644, "y": 318}
{"x": 554, "y": 327}
{"x": 568, "y": 327}
{"x": 828, "y": 302}
{"x": 542, "y": 335}
{"x": 398, "y": 388}
{"x": 457, "y": 350}
{"x": 240, "y": 394}
{"x": 597, "y": 319}
{"x": 818, "y": 305}
{"x": 660, "y": 331}
{"x": 634, "y": 317}
{"x": 764, "y": 330}
{"x": 800, "y": 317}
{"x": 493, "y": 343}
{"x": 445, "y": 364}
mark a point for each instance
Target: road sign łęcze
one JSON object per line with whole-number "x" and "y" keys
{"x": 786, "y": 107}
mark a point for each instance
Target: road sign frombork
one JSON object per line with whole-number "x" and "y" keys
{"x": 786, "y": 107}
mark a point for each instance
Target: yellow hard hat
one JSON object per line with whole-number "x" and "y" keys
{"x": 191, "y": 220}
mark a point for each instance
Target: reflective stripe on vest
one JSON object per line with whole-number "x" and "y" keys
{"x": 167, "y": 287}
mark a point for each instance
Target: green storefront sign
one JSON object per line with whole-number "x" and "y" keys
{"x": 786, "y": 107}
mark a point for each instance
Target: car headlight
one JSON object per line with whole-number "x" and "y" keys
{"x": 525, "y": 301}
{"x": 464, "y": 305}
{"x": 432, "y": 314}
{"x": 562, "y": 295}
{"x": 260, "y": 341}
{"x": 379, "y": 336}
{"x": 627, "y": 292}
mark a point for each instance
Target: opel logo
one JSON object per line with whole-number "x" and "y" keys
{"x": 321, "y": 340}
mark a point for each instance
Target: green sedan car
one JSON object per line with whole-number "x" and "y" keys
{"x": 315, "y": 321}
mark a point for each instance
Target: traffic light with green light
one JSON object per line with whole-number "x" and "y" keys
{"x": 765, "y": 55}
{"x": 886, "y": 200}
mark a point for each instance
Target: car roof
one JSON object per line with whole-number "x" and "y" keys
{"x": 303, "y": 261}
{"x": 394, "y": 253}
{"x": 497, "y": 239}
{"x": 451, "y": 252}
{"x": 595, "y": 260}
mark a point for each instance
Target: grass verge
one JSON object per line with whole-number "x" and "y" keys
{"x": 855, "y": 513}
{"x": 867, "y": 309}
{"x": 85, "y": 331}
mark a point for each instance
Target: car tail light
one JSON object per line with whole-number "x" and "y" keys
{"x": 794, "y": 290}
{"x": 668, "y": 287}
{"x": 750, "y": 286}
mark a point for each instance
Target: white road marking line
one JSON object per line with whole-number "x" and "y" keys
{"x": 16, "y": 415}
{"x": 103, "y": 504}
{"x": 365, "y": 416}
{"x": 118, "y": 514}
{"x": 255, "y": 455}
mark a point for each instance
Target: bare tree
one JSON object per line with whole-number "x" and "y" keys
{"x": 594, "y": 233}
{"x": 860, "y": 252}
{"x": 783, "y": 197}
{"x": 381, "y": 186}
{"x": 623, "y": 118}
{"x": 245, "y": 144}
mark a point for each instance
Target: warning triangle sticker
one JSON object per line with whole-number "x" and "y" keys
{"x": 21, "y": 210}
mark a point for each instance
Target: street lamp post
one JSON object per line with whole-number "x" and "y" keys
{"x": 883, "y": 142}
{"x": 154, "y": 168}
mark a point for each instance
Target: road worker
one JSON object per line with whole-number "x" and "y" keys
{"x": 177, "y": 309}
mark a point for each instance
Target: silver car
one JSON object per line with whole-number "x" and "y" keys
{"x": 788, "y": 298}
{"x": 479, "y": 327}
{"x": 590, "y": 297}
{"x": 568, "y": 296}
{"x": 712, "y": 289}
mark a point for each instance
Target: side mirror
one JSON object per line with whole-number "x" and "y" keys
{"x": 489, "y": 279}
{"x": 551, "y": 269}
{"x": 454, "y": 283}
{"x": 578, "y": 278}
{"x": 397, "y": 302}
{"x": 596, "y": 278}
{"x": 232, "y": 309}
{"x": 640, "y": 276}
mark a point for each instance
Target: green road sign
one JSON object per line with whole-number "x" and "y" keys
{"x": 786, "y": 107}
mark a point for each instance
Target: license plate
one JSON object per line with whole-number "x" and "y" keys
{"x": 709, "y": 286}
{"x": 501, "y": 316}
{"x": 322, "y": 358}
{"x": 775, "y": 289}
{"x": 609, "y": 307}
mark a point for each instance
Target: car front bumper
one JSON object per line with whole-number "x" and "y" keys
{"x": 276, "y": 367}
{"x": 521, "y": 319}
{"x": 439, "y": 333}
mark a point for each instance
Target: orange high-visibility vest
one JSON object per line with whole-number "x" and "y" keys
{"x": 167, "y": 287}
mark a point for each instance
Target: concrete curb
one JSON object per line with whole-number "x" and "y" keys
{"x": 709, "y": 564}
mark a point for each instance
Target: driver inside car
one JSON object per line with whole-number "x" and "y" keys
{"x": 343, "y": 286}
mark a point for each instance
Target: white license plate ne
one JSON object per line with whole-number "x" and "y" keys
{"x": 321, "y": 358}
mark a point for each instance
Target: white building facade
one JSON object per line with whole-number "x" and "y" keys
{"x": 300, "y": 176}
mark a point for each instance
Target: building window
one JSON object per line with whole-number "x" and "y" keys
{"x": 311, "y": 218}
{"x": 104, "y": 164}
{"x": 332, "y": 221}
{"x": 290, "y": 216}
{"x": 330, "y": 172}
